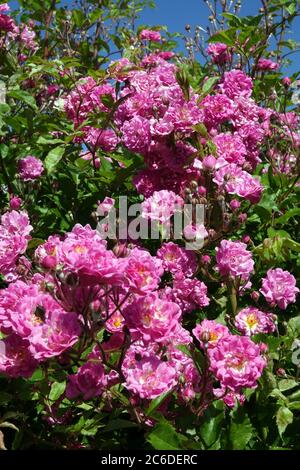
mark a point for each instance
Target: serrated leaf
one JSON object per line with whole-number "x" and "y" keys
{"x": 284, "y": 417}
{"x": 240, "y": 431}
{"x": 164, "y": 437}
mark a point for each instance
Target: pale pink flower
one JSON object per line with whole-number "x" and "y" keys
{"x": 161, "y": 206}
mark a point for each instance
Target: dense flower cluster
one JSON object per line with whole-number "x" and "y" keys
{"x": 153, "y": 318}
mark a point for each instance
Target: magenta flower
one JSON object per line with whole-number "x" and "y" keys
{"x": 219, "y": 53}
{"x": 85, "y": 98}
{"x": 30, "y": 168}
{"x": 90, "y": 379}
{"x": 231, "y": 148}
{"x": 149, "y": 377}
{"x": 237, "y": 181}
{"x": 189, "y": 294}
{"x": 217, "y": 109}
{"x": 7, "y": 24}
{"x": 15, "y": 357}
{"x": 236, "y": 83}
{"x": 236, "y": 362}
{"x": 142, "y": 273}
{"x": 38, "y": 318}
{"x": 14, "y": 236}
{"x": 176, "y": 259}
{"x": 251, "y": 321}
{"x": 233, "y": 259}
{"x": 136, "y": 134}
{"x": 279, "y": 288}
{"x": 152, "y": 318}
{"x": 209, "y": 333}
{"x": 267, "y": 64}
{"x": 150, "y": 35}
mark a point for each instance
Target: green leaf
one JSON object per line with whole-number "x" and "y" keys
{"x": 211, "y": 427}
{"x": 284, "y": 417}
{"x": 293, "y": 327}
{"x": 57, "y": 389}
{"x": 118, "y": 424}
{"x": 53, "y": 158}
{"x": 283, "y": 219}
{"x": 78, "y": 17}
{"x": 295, "y": 405}
{"x": 156, "y": 403}
{"x": 227, "y": 37}
{"x": 291, "y": 8}
{"x": 164, "y": 437}
{"x": 209, "y": 83}
{"x": 23, "y": 96}
{"x": 240, "y": 431}
{"x": 287, "y": 384}
{"x": 233, "y": 19}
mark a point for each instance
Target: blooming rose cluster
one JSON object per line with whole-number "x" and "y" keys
{"x": 36, "y": 328}
{"x": 42, "y": 315}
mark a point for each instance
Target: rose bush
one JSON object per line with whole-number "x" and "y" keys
{"x": 113, "y": 342}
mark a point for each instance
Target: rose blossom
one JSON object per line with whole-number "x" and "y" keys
{"x": 279, "y": 288}
{"x": 233, "y": 259}
{"x": 251, "y": 321}
{"x": 209, "y": 333}
{"x": 236, "y": 362}
{"x": 30, "y": 168}
{"x": 150, "y": 35}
